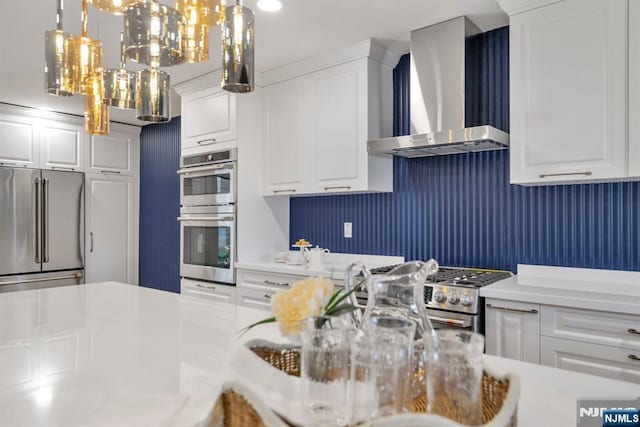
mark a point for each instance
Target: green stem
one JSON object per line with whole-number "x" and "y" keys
{"x": 263, "y": 321}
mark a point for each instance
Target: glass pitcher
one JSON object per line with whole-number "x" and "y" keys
{"x": 400, "y": 294}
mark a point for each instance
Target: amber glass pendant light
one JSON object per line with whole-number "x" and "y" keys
{"x": 120, "y": 84}
{"x": 96, "y": 112}
{"x": 153, "y": 34}
{"x": 55, "y": 70}
{"x": 117, "y": 7}
{"x": 237, "y": 49}
{"x": 83, "y": 56}
{"x": 199, "y": 15}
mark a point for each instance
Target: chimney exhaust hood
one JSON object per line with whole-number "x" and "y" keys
{"x": 437, "y": 98}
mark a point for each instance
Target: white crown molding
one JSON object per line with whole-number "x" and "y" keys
{"x": 513, "y": 7}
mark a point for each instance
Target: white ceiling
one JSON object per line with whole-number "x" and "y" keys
{"x": 303, "y": 28}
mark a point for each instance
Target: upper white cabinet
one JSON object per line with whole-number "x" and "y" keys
{"x": 208, "y": 118}
{"x": 61, "y": 146}
{"x": 634, "y": 89}
{"x": 18, "y": 141}
{"x": 319, "y": 114}
{"x": 112, "y": 153}
{"x": 568, "y": 91}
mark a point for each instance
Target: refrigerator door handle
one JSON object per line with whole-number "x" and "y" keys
{"x": 91, "y": 236}
{"x": 45, "y": 219}
{"x": 38, "y": 219}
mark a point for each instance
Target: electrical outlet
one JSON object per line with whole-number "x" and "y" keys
{"x": 348, "y": 230}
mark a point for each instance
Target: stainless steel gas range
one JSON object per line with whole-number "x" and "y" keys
{"x": 452, "y": 296}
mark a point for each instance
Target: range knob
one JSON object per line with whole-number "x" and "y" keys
{"x": 453, "y": 298}
{"x": 467, "y": 300}
{"x": 439, "y": 297}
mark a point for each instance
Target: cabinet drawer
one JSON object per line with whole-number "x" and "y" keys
{"x": 207, "y": 290}
{"x": 594, "y": 359}
{"x": 259, "y": 280}
{"x": 619, "y": 330}
{"x": 256, "y": 299}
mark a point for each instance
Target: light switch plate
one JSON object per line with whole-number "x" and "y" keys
{"x": 348, "y": 230}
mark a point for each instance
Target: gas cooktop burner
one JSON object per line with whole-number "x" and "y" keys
{"x": 472, "y": 277}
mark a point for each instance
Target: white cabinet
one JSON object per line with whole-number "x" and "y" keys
{"x": 113, "y": 153}
{"x": 62, "y": 146}
{"x": 286, "y": 138}
{"x": 207, "y": 290}
{"x": 634, "y": 89}
{"x": 513, "y": 330}
{"x": 18, "y": 141}
{"x": 568, "y": 76}
{"x": 256, "y": 299}
{"x": 208, "y": 119}
{"x": 111, "y": 232}
{"x": 318, "y": 121}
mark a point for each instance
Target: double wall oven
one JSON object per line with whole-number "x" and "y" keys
{"x": 208, "y": 216}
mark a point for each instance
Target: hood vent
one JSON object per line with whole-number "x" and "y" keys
{"x": 437, "y": 98}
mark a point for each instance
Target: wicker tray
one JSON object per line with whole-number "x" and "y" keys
{"x": 499, "y": 398}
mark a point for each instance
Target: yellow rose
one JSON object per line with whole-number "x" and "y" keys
{"x": 305, "y": 298}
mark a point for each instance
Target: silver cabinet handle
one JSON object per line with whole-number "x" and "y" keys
{"x": 110, "y": 172}
{"x": 42, "y": 279}
{"x": 345, "y": 187}
{"x": 269, "y": 282}
{"x": 267, "y": 296}
{"x": 547, "y": 175}
{"x": 62, "y": 168}
{"x": 91, "y": 241}
{"x": 45, "y": 219}
{"x": 38, "y": 222}
{"x": 205, "y": 286}
{"x": 293, "y": 190}
{"x": 633, "y": 357}
{"x": 205, "y": 140}
{"x": 513, "y": 310}
{"x": 633, "y": 331}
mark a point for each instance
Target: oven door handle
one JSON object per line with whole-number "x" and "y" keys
{"x": 456, "y": 322}
{"x": 205, "y": 218}
{"x": 212, "y": 168}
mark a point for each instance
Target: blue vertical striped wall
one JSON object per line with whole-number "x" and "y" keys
{"x": 160, "y": 206}
{"x": 461, "y": 209}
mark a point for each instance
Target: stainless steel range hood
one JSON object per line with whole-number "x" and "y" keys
{"x": 437, "y": 98}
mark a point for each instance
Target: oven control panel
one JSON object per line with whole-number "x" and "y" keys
{"x": 455, "y": 298}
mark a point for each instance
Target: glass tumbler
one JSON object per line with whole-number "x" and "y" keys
{"x": 454, "y": 376}
{"x": 382, "y": 367}
{"x": 325, "y": 370}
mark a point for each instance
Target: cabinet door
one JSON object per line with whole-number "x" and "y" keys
{"x": 208, "y": 290}
{"x": 338, "y": 151}
{"x": 113, "y": 153}
{"x": 594, "y": 359}
{"x": 568, "y": 92}
{"x": 286, "y": 137}
{"x": 208, "y": 118}
{"x": 61, "y": 146}
{"x": 110, "y": 239}
{"x": 513, "y": 330}
{"x": 634, "y": 89}
{"x": 18, "y": 143}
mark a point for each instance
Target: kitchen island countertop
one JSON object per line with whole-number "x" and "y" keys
{"x": 116, "y": 354}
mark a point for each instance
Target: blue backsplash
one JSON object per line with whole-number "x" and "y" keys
{"x": 461, "y": 209}
{"x": 160, "y": 206}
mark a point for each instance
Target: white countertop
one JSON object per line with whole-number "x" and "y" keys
{"x": 114, "y": 354}
{"x": 571, "y": 287}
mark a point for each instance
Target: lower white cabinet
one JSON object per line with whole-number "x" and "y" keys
{"x": 111, "y": 231}
{"x": 260, "y": 299}
{"x": 211, "y": 291}
{"x": 513, "y": 330}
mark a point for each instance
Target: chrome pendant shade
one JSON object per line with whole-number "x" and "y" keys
{"x": 117, "y": 7}
{"x": 153, "y": 96}
{"x": 120, "y": 84}
{"x": 96, "y": 112}
{"x": 237, "y": 49}
{"x": 83, "y": 57}
{"x": 199, "y": 15}
{"x": 153, "y": 34}
{"x": 55, "y": 70}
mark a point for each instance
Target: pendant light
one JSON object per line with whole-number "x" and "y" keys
{"x": 237, "y": 49}
{"x": 96, "y": 112}
{"x": 117, "y": 7}
{"x": 120, "y": 84}
{"x": 153, "y": 96}
{"x": 83, "y": 56}
{"x": 199, "y": 16}
{"x": 153, "y": 34}
{"x": 55, "y": 70}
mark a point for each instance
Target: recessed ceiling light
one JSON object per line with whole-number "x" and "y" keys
{"x": 269, "y": 5}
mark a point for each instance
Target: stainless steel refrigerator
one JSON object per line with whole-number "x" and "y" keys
{"x": 41, "y": 228}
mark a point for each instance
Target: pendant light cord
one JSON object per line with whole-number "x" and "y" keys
{"x": 84, "y": 18}
{"x": 59, "y": 16}
{"x": 122, "y": 51}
